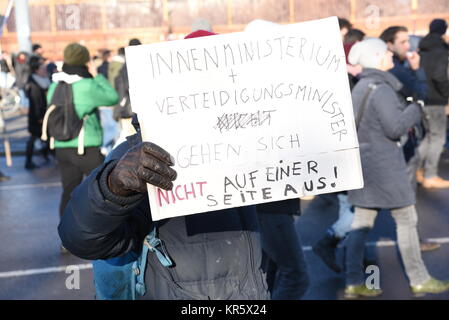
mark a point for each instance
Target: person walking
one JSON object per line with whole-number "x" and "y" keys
{"x": 408, "y": 70}
{"x": 22, "y": 71}
{"x": 36, "y": 91}
{"x": 382, "y": 118}
{"x": 434, "y": 57}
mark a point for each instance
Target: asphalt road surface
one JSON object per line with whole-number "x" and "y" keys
{"x": 32, "y": 267}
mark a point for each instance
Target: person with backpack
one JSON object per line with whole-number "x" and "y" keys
{"x": 381, "y": 119}
{"x": 79, "y": 91}
{"x": 36, "y": 91}
{"x": 213, "y": 255}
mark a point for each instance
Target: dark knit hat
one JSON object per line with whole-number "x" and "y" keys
{"x": 438, "y": 26}
{"x": 76, "y": 55}
{"x": 134, "y": 42}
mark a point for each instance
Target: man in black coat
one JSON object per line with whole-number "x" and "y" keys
{"x": 36, "y": 91}
{"x": 434, "y": 59}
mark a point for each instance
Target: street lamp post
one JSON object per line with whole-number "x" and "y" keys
{"x": 23, "y": 26}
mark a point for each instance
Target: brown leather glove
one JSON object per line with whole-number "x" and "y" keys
{"x": 142, "y": 164}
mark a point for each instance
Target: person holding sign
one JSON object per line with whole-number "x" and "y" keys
{"x": 203, "y": 256}
{"x": 381, "y": 120}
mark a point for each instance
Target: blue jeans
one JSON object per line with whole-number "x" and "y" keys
{"x": 24, "y": 101}
{"x": 110, "y": 128}
{"x": 282, "y": 245}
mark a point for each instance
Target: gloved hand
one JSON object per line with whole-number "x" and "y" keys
{"x": 142, "y": 164}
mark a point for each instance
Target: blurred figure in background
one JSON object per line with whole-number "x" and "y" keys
{"x": 22, "y": 71}
{"x": 38, "y": 50}
{"x": 3, "y": 177}
{"x": 5, "y": 70}
{"x": 116, "y": 65}
{"x": 123, "y": 110}
{"x": 345, "y": 26}
{"x": 434, "y": 56}
{"x": 36, "y": 91}
{"x": 104, "y": 67}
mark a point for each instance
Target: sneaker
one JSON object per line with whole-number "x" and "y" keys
{"x": 307, "y": 198}
{"x": 62, "y": 249}
{"x": 325, "y": 249}
{"x": 435, "y": 182}
{"x": 430, "y": 286}
{"x": 31, "y": 166}
{"x": 354, "y": 292}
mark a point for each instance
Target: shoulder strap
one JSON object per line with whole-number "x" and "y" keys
{"x": 154, "y": 244}
{"x": 371, "y": 88}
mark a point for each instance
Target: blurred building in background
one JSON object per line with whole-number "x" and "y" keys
{"x": 111, "y": 23}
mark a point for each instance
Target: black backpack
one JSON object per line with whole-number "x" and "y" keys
{"x": 61, "y": 121}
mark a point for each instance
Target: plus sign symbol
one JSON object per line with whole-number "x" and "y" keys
{"x": 232, "y": 75}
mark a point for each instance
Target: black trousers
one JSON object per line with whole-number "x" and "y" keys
{"x": 30, "y": 148}
{"x": 73, "y": 167}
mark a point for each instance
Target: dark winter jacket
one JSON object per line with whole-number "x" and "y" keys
{"x": 290, "y": 206}
{"x": 434, "y": 60}
{"x": 414, "y": 83}
{"x": 217, "y": 255}
{"x": 38, "y": 106}
{"x": 385, "y": 120}
{"x": 22, "y": 70}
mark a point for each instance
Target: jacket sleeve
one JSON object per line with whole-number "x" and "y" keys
{"x": 394, "y": 119}
{"x": 39, "y": 101}
{"x": 414, "y": 82}
{"x": 440, "y": 77}
{"x": 100, "y": 225}
{"x": 102, "y": 92}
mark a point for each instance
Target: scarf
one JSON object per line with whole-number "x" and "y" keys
{"x": 81, "y": 71}
{"x": 42, "y": 82}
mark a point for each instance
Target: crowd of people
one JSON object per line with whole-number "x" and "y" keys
{"x": 399, "y": 97}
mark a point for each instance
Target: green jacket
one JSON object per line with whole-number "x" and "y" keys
{"x": 88, "y": 95}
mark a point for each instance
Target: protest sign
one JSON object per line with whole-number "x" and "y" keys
{"x": 249, "y": 118}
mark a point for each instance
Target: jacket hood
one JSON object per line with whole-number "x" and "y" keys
{"x": 432, "y": 41}
{"x": 378, "y": 76}
{"x": 68, "y": 78}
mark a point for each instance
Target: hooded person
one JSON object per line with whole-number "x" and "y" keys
{"x": 381, "y": 119}
{"x": 214, "y": 255}
{"x": 89, "y": 90}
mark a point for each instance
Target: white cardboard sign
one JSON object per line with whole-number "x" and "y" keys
{"x": 249, "y": 118}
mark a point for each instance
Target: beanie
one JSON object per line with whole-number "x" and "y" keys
{"x": 367, "y": 53}
{"x": 438, "y": 26}
{"x": 201, "y": 24}
{"x": 76, "y": 55}
{"x": 261, "y": 26}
